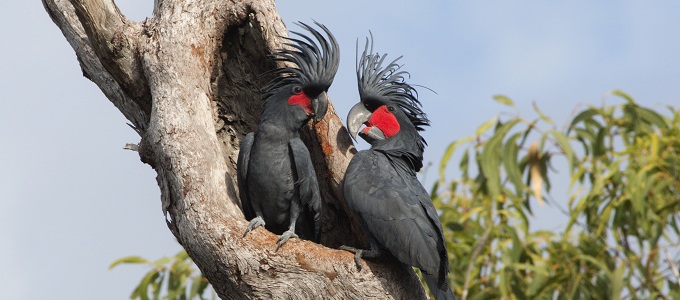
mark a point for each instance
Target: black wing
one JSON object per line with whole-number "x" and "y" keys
{"x": 242, "y": 172}
{"x": 397, "y": 211}
{"x": 307, "y": 184}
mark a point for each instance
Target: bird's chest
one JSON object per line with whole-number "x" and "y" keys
{"x": 374, "y": 175}
{"x": 270, "y": 174}
{"x": 271, "y": 150}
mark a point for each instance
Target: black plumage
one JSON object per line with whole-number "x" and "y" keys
{"x": 276, "y": 178}
{"x": 380, "y": 184}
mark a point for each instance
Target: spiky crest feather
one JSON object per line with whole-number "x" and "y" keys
{"x": 387, "y": 85}
{"x": 314, "y": 64}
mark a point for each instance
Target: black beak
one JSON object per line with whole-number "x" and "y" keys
{"x": 320, "y": 105}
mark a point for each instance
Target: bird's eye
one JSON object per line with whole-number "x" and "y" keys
{"x": 297, "y": 89}
{"x": 390, "y": 108}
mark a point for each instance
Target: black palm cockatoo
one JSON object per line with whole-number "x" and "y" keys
{"x": 380, "y": 184}
{"x": 276, "y": 179}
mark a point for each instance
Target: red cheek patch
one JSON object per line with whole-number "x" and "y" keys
{"x": 385, "y": 121}
{"x": 302, "y": 100}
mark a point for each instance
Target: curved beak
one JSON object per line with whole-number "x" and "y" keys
{"x": 372, "y": 134}
{"x": 357, "y": 116}
{"x": 320, "y": 105}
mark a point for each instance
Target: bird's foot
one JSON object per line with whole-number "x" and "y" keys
{"x": 254, "y": 223}
{"x": 357, "y": 255}
{"x": 284, "y": 238}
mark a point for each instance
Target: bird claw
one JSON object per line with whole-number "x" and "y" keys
{"x": 284, "y": 238}
{"x": 357, "y": 255}
{"x": 357, "y": 259}
{"x": 254, "y": 223}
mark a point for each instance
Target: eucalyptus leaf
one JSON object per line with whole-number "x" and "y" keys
{"x": 503, "y": 100}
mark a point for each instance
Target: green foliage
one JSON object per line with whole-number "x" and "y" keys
{"x": 623, "y": 205}
{"x": 177, "y": 274}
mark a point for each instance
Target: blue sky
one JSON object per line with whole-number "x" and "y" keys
{"x": 72, "y": 200}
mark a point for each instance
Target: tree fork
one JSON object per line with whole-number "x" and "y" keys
{"x": 189, "y": 81}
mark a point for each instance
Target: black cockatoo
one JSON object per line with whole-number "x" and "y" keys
{"x": 380, "y": 184}
{"x": 276, "y": 179}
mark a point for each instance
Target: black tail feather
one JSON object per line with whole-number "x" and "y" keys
{"x": 443, "y": 293}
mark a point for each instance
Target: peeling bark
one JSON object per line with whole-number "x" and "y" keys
{"x": 188, "y": 80}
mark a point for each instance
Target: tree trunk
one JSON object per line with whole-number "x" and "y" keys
{"x": 189, "y": 80}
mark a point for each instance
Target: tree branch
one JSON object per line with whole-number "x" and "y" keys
{"x": 201, "y": 64}
{"x": 332, "y": 150}
{"x": 115, "y": 40}
{"x": 674, "y": 268}
{"x": 64, "y": 16}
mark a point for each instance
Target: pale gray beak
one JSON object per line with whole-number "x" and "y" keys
{"x": 371, "y": 135}
{"x": 356, "y": 117}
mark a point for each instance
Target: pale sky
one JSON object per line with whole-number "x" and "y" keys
{"x": 72, "y": 200}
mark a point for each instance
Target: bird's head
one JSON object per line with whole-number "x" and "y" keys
{"x": 300, "y": 88}
{"x": 389, "y": 107}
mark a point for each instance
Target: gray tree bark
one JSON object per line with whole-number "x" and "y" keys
{"x": 189, "y": 80}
